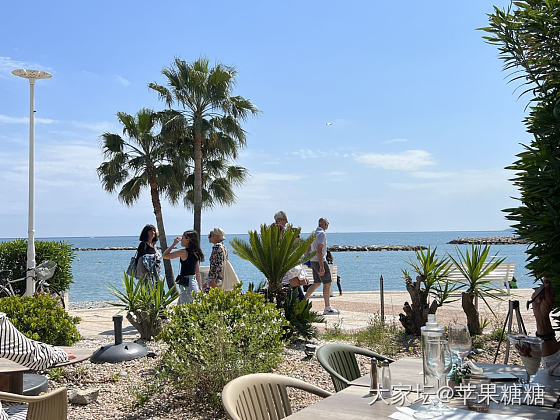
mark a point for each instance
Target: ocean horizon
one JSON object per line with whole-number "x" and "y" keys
{"x": 93, "y": 271}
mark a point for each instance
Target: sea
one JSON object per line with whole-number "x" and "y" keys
{"x": 94, "y": 271}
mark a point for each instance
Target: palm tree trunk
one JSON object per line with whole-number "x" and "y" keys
{"x": 197, "y": 178}
{"x": 162, "y": 239}
{"x": 473, "y": 319}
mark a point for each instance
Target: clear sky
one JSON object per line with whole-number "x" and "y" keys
{"x": 423, "y": 119}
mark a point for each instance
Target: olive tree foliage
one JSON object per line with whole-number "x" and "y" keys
{"x": 527, "y": 35}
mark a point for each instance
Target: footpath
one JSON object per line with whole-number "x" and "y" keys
{"x": 356, "y": 310}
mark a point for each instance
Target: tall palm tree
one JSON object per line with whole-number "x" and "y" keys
{"x": 141, "y": 159}
{"x": 204, "y": 93}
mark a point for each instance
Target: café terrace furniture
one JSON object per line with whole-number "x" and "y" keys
{"x": 51, "y": 406}
{"x": 339, "y": 360}
{"x": 353, "y": 402}
{"x": 11, "y": 373}
{"x": 263, "y": 396}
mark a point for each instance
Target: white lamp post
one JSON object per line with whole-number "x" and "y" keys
{"x": 31, "y": 75}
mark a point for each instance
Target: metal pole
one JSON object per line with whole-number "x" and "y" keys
{"x": 382, "y": 299}
{"x": 30, "y": 275}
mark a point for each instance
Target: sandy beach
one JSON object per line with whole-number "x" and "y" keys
{"x": 356, "y": 309}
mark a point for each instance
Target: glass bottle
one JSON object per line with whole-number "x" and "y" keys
{"x": 386, "y": 379}
{"x": 429, "y": 331}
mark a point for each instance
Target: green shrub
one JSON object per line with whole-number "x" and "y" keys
{"x": 40, "y": 318}
{"x": 218, "y": 337}
{"x": 383, "y": 338}
{"x": 13, "y": 256}
{"x": 300, "y": 317}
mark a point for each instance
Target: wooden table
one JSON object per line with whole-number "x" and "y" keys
{"x": 11, "y": 373}
{"x": 353, "y": 402}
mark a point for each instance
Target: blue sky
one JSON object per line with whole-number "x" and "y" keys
{"x": 423, "y": 119}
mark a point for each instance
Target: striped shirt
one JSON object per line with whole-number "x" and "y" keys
{"x": 18, "y": 348}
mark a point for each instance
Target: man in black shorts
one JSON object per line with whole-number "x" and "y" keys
{"x": 321, "y": 272}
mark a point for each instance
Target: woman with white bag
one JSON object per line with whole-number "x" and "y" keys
{"x": 221, "y": 273}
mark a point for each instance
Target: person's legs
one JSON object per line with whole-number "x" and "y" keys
{"x": 327, "y": 294}
{"x": 182, "y": 294}
{"x": 311, "y": 289}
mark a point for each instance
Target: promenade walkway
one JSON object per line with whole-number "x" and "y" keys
{"x": 356, "y": 310}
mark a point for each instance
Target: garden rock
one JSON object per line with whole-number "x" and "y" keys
{"x": 83, "y": 396}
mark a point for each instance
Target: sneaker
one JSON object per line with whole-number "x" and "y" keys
{"x": 329, "y": 310}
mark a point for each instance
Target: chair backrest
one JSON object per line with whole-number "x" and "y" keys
{"x": 262, "y": 396}
{"x": 339, "y": 360}
{"x": 51, "y": 406}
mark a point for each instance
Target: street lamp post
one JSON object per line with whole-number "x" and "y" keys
{"x": 31, "y": 75}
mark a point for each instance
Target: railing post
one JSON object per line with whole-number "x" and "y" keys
{"x": 382, "y": 299}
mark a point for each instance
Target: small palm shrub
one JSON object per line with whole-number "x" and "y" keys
{"x": 218, "y": 337}
{"x": 40, "y": 318}
{"x": 300, "y": 317}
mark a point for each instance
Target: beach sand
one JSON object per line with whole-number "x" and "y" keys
{"x": 356, "y": 310}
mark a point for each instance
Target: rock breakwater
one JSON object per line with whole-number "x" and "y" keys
{"x": 108, "y": 248}
{"x": 493, "y": 240}
{"x": 360, "y": 248}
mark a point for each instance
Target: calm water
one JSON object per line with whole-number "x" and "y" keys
{"x": 93, "y": 270}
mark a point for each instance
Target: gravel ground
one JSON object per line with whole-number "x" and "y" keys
{"x": 120, "y": 383}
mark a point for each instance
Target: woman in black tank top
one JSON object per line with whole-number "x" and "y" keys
{"x": 191, "y": 255}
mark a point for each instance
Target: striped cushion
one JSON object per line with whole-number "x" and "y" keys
{"x": 15, "y": 411}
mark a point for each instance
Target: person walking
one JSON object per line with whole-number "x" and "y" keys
{"x": 321, "y": 271}
{"x": 190, "y": 256}
{"x": 218, "y": 258}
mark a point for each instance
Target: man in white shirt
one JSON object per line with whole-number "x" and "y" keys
{"x": 321, "y": 272}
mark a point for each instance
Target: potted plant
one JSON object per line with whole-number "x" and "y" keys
{"x": 458, "y": 374}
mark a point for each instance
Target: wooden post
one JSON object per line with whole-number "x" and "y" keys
{"x": 382, "y": 299}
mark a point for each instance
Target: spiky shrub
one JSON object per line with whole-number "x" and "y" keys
{"x": 40, "y": 318}
{"x": 526, "y": 35}
{"x": 13, "y": 256}
{"x": 300, "y": 317}
{"x": 218, "y": 337}
{"x": 145, "y": 304}
{"x": 475, "y": 267}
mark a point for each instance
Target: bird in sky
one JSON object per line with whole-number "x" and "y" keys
{"x": 329, "y": 124}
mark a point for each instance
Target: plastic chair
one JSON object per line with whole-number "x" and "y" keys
{"x": 339, "y": 360}
{"x": 263, "y": 396}
{"x": 51, "y": 406}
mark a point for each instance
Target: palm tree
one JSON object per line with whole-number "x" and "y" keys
{"x": 141, "y": 159}
{"x": 475, "y": 267}
{"x": 204, "y": 93}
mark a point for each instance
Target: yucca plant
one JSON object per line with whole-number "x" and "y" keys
{"x": 301, "y": 317}
{"x": 274, "y": 252}
{"x": 145, "y": 304}
{"x": 475, "y": 267}
{"x": 430, "y": 281}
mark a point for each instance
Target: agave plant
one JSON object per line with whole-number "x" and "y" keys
{"x": 475, "y": 267}
{"x": 274, "y": 252}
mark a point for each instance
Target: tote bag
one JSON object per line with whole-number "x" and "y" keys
{"x": 230, "y": 278}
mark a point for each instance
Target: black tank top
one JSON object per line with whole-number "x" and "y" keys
{"x": 188, "y": 266}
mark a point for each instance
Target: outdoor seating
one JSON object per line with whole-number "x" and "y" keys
{"x": 263, "y": 396}
{"x": 51, "y": 406}
{"x": 339, "y": 360}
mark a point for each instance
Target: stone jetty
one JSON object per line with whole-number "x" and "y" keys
{"x": 360, "y": 248}
{"x": 108, "y": 248}
{"x": 494, "y": 240}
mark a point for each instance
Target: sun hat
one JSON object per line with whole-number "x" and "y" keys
{"x": 218, "y": 232}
